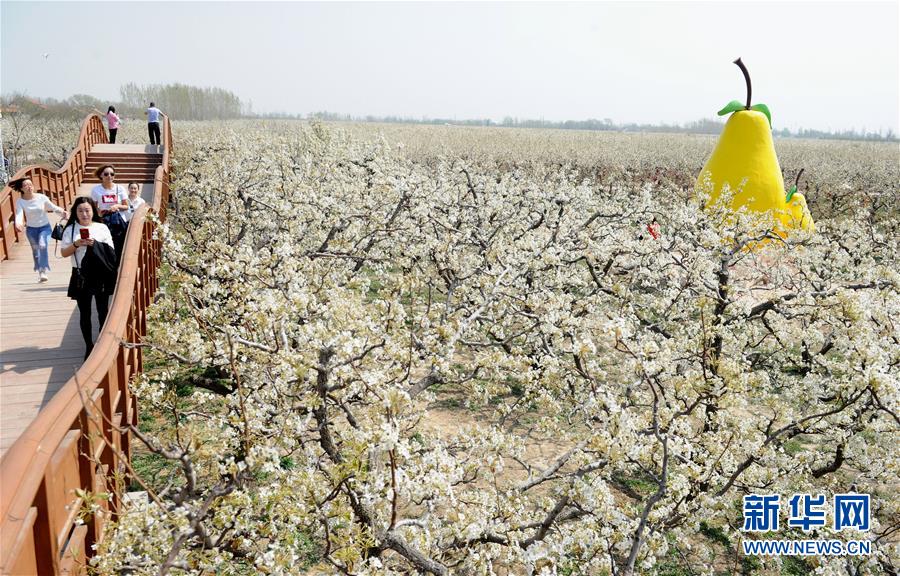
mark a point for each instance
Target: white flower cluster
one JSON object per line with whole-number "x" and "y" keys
{"x": 620, "y": 392}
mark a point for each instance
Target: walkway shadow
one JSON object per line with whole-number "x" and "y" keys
{"x": 44, "y": 289}
{"x": 63, "y": 361}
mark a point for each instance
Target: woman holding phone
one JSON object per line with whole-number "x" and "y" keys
{"x": 82, "y": 234}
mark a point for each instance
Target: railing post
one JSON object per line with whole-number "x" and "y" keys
{"x": 122, "y": 375}
{"x": 91, "y": 445}
{"x": 7, "y": 212}
{"x": 44, "y": 542}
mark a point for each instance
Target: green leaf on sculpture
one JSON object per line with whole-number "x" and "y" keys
{"x": 765, "y": 110}
{"x": 732, "y": 106}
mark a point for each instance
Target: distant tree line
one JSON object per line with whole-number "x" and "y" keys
{"x": 177, "y": 100}
{"x": 703, "y": 126}
{"x": 185, "y": 102}
{"x": 193, "y": 103}
{"x": 840, "y": 135}
{"x": 73, "y": 107}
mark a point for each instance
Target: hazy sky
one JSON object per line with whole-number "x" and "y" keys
{"x": 824, "y": 65}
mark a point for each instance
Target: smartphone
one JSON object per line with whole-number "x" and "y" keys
{"x": 85, "y": 233}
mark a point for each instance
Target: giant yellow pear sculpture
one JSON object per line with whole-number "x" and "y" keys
{"x": 744, "y": 159}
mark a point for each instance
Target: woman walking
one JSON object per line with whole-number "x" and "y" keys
{"x": 112, "y": 120}
{"x": 82, "y": 238}
{"x": 111, "y": 201}
{"x": 31, "y": 218}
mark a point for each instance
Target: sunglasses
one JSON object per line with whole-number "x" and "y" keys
{"x": 109, "y": 174}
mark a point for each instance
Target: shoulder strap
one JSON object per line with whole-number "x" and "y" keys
{"x": 75, "y": 254}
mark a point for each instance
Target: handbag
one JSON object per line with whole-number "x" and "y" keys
{"x": 77, "y": 284}
{"x": 115, "y": 222}
{"x": 57, "y": 231}
{"x": 77, "y": 280}
{"x": 57, "y": 234}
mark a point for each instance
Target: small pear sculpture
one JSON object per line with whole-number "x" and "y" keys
{"x": 745, "y": 160}
{"x": 797, "y": 211}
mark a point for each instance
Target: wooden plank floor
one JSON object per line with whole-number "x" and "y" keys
{"x": 127, "y": 148}
{"x": 40, "y": 340}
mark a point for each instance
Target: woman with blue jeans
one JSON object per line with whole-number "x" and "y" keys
{"x": 31, "y": 218}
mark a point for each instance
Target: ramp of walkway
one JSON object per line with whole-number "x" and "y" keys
{"x": 64, "y": 423}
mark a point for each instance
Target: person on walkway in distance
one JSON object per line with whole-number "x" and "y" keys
{"x": 112, "y": 120}
{"x": 112, "y": 202}
{"x": 153, "y": 123}
{"x": 31, "y": 218}
{"x": 134, "y": 200}
{"x": 84, "y": 233}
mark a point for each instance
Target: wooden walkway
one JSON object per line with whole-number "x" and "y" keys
{"x": 40, "y": 340}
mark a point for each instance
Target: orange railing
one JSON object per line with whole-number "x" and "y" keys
{"x": 78, "y": 441}
{"x": 60, "y": 186}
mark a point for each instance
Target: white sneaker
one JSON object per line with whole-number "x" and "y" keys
{"x": 42, "y": 276}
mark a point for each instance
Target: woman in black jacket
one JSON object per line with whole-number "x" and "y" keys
{"x": 88, "y": 241}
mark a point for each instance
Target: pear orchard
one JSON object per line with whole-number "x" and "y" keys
{"x": 445, "y": 350}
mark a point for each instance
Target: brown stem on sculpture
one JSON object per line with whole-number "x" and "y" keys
{"x": 746, "y": 79}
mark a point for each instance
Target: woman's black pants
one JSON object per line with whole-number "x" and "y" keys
{"x": 84, "y": 310}
{"x": 112, "y": 135}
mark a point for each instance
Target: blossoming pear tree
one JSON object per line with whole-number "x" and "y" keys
{"x": 325, "y": 294}
{"x": 32, "y": 139}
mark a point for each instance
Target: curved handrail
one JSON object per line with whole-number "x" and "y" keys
{"x": 77, "y": 441}
{"x": 60, "y": 186}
